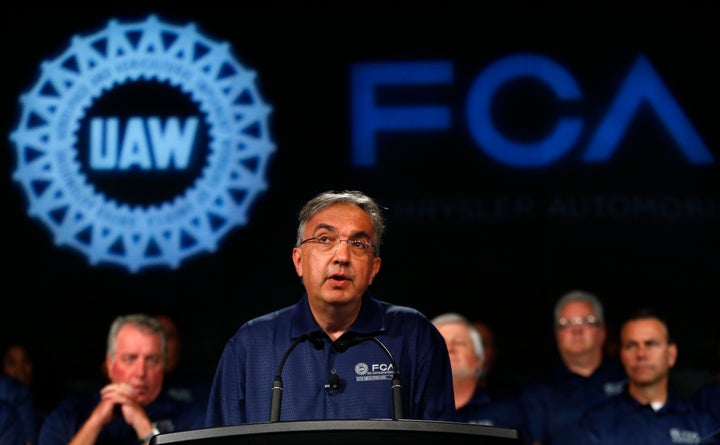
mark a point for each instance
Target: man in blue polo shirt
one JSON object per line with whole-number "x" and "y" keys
{"x": 474, "y": 403}
{"x": 337, "y": 369}
{"x": 18, "y": 396}
{"x": 132, "y": 407}
{"x": 647, "y": 412}
{"x": 584, "y": 376}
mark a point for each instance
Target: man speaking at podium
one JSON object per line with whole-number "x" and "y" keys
{"x": 338, "y": 353}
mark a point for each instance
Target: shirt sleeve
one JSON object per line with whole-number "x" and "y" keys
{"x": 226, "y": 403}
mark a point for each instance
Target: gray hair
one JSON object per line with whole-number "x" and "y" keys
{"x": 143, "y": 322}
{"x": 583, "y": 297}
{"x": 453, "y": 317}
{"x": 354, "y": 197}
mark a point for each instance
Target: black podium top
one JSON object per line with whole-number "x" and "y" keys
{"x": 345, "y": 432}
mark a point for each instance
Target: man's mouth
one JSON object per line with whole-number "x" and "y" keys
{"x": 338, "y": 277}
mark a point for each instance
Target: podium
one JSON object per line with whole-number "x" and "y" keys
{"x": 345, "y": 432}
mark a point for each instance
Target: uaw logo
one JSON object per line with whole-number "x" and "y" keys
{"x": 143, "y": 144}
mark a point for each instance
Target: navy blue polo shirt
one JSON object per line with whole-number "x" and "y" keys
{"x": 65, "y": 420}
{"x": 622, "y": 420}
{"x": 18, "y": 395}
{"x": 485, "y": 409}
{"x": 241, "y": 391}
{"x": 553, "y": 406}
{"x": 707, "y": 398}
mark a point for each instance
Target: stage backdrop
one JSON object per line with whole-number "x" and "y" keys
{"x": 156, "y": 159}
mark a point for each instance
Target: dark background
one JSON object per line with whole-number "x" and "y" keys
{"x": 474, "y": 258}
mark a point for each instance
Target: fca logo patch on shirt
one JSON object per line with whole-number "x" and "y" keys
{"x": 684, "y": 436}
{"x": 376, "y": 371}
{"x": 612, "y": 388}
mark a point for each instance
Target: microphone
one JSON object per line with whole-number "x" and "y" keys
{"x": 277, "y": 387}
{"x": 333, "y": 381}
{"x": 344, "y": 345}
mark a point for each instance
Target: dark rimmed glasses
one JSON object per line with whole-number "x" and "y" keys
{"x": 328, "y": 244}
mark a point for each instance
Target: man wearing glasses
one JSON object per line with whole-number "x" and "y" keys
{"x": 338, "y": 353}
{"x": 583, "y": 377}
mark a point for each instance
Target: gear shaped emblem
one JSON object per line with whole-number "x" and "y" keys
{"x": 165, "y": 233}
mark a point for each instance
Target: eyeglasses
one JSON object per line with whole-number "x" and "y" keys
{"x": 328, "y": 244}
{"x": 589, "y": 320}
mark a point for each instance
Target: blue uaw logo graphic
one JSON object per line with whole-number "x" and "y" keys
{"x": 95, "y": 156}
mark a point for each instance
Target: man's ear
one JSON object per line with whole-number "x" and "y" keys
{"x": 672, "y": 354}
{"x": 297, "y": 260}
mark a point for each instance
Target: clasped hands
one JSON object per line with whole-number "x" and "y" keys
{"x": 123, "y": 396}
